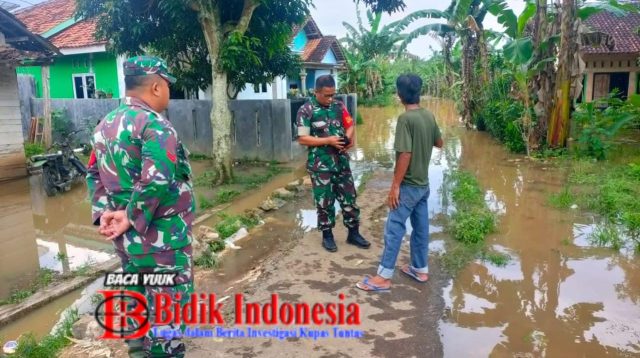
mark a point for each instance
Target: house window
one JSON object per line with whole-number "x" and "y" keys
{"x": 84, "y": 86}
{"x": 260, "y": 87}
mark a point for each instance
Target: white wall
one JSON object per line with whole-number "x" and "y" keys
{"x": 249, "y": 92}
{"x": 327, "y": 72}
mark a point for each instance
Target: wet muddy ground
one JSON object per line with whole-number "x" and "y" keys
{"x": 558, "y": 295}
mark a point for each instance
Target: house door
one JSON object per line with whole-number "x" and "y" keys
{"x": 601, "y": 85}
{"x": 620, "y": 82}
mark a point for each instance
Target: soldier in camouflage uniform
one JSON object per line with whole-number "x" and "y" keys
{"x": 325, "y": 126}
{"x": 140, "y": 187}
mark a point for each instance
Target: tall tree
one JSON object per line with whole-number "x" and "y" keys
{"x": 209, "y": 42}
{"x": 464, "y": 19}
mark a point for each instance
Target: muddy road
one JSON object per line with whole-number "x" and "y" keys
{"x": 557, "y": 296}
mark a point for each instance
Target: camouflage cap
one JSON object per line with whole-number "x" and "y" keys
{"x": 147, "y": 65}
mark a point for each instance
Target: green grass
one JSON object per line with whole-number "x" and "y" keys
{"x": 199, "y": 156}
{"x": 496, "y": 258}
{"x": 226, "y": 195}
{"x": 31, "y": 149}
{"x": 43, "y": 279}
{"x": 208, "y": 259}
{"x": 205, "y": 203}
{"x": 607, "y": 235}
{"x": 230, "y": 224}
{"x": 359, "y": 119}
{"x": 611, "y": 189}
{"x": 50, "y": 345}
{"x": 562, "y": 200}
{"x": 363, "y": 181}
{"x": 469, "y": 225}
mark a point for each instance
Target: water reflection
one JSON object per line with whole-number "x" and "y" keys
{"x": 41, "y": 232}
{"x": 555, "y": 297}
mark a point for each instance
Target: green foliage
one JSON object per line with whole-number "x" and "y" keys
{"x": 207, "y": 259}
{"x": 42, "y": 280}
{"x": 61, "y": 125}
{"x": 611, "y": 190}
{"x": 596, "y": 127}
{"x": 217, "y": 245}
{"x": 607, "y": 235}
{"x": 50, "y": 345}
{"x": 174, "y": 31}
{"x": 198, "y": 156}
{"x": 205, "y": 203}
{"x": 561, "y": 200}
{"x": 226, "y": 195}
{"x": 501, "y": 113}
{"x": 31, "y": 149}
{"x": 230, "y": 224}
{"x": 496, "y": 258}
{"x": 359, "y": 119}
{"x": 470, "y": 224}
{"x": 466, "y": 193}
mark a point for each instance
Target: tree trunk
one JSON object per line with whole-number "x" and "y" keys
{"x": 221, "y": 124}
{"x": 220, "y": 113}
{"x": 542, "y": 86}
{"x": 560, "y": 116}
{"x": 467, "y": 76}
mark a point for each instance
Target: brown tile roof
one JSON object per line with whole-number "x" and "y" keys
{"x": 316, "y": 49}
{"x": 78, "y": 35}
{"x": 43, "y": 17}
{"x": 622, "y": 32}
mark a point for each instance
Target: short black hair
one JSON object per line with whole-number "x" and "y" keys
{"x": 325, "y": 81}
{"x": 409, "y": 88}
{"x": 134, "y": 82}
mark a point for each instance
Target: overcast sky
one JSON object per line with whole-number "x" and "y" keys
{"x": 329, "y": 15}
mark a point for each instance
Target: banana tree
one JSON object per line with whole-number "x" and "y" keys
{"x": 463, "y": 20}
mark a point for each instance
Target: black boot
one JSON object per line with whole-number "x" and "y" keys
{"x": 356, "y": 239}
{"x": 328, "y": 241}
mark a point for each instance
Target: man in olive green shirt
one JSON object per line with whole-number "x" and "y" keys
{"x": 416, "y": 134}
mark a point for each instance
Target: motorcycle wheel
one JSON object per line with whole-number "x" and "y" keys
{"x": 48, "y": 180}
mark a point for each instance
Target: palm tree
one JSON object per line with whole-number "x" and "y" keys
{"x": 463, "y": 20}
{"x": 373, "y": 42}
{"x": 367, "y": 51}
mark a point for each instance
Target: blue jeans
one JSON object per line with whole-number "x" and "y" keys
{"x": 413, "y": 206}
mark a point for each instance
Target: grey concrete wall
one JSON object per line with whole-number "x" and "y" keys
{"x": 260, "y": 129}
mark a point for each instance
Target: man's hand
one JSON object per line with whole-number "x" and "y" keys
{"x": 116, "y": 223}
{"x": 394, "y": 197}
{"x": 335, "y": 142}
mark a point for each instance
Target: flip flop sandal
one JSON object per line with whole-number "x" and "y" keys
{"x": 368, "y": 287}
{"x": 413, "y": 274}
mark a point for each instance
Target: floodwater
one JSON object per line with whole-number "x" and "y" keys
{"x": 557, "y": 296}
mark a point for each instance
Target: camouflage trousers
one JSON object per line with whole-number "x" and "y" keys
{"x": 177, "y": 261}
{"x": 329, "y": 186}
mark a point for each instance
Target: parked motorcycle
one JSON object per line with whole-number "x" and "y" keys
{"x": 62, "y": 168}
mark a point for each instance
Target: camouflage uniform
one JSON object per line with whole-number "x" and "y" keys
{"x": 140, "y": 166}
{"x": 329, "y": 169}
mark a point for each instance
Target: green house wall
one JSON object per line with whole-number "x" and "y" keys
{"x": 64, "y": 67}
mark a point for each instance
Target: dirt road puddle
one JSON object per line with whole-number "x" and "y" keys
{"x": 557, "y": 296}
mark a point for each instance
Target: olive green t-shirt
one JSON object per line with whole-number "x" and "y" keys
{"x": 416, "y": 132}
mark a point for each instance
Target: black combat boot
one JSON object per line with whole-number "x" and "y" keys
{"x": 356, "y": 239}
{"x": 328, "y": 242}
